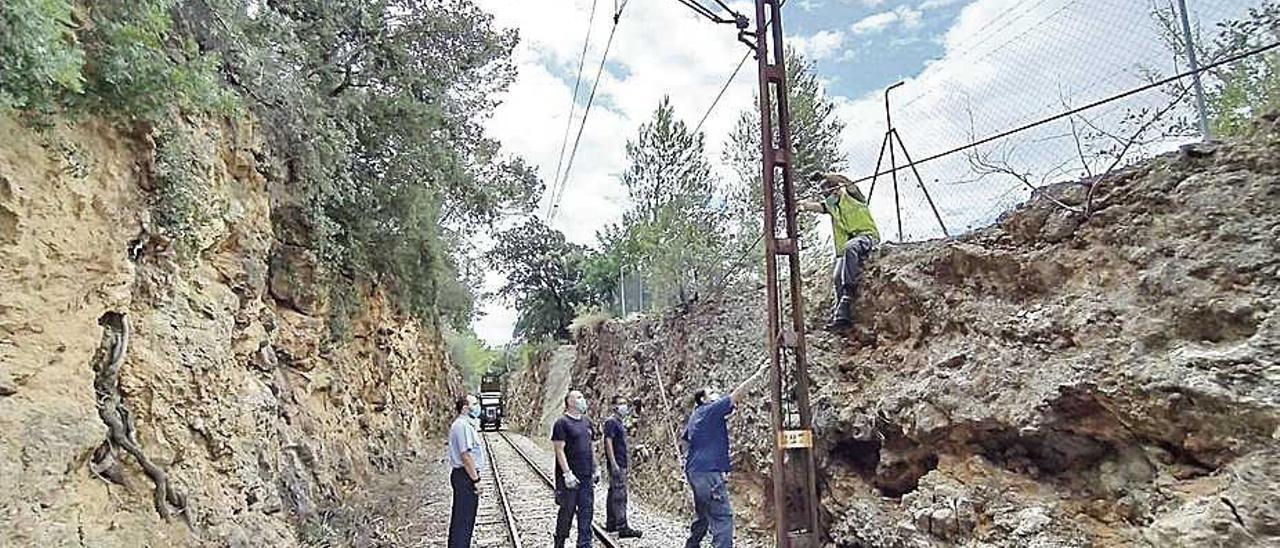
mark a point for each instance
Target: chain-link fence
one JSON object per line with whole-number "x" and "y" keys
{"x": 1043, "y": 91}
{"x": 632, "y": 294}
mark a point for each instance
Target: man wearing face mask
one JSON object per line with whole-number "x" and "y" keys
{"x": 855, "y": 236}
{"x": 466, "y": 456}
{"x": 571, "y": 439}
{"x": 615, "y": 451}
{"x": 706, "y": 465}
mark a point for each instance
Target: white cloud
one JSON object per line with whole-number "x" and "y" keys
{"x": 824, "y": 44}
{"x": 874, "y": 23}
{"x": 904, "y": 16}
{"x": 935, "y": 4}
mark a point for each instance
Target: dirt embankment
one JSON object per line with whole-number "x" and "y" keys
{"x": 1055, "y": 380}
{"x": 218, "y": 369}
{"x": 535, "y": 396}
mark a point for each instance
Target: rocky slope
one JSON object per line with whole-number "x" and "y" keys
{"x": 1054, "y": 380}
{"x": 214, "y": 376}
{"x": 535, "y": 395}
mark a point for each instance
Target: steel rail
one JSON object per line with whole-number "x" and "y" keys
{"x": 500, "y": 491}
{"x": 599, "y": 531}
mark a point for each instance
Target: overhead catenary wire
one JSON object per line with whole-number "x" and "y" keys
{"x": 586, "y": 112}
{"x": 706, "y": 12}
{"x": 573, "y": 103}
{"x": 728, "y": 81}
{"x": 723, "y": 89}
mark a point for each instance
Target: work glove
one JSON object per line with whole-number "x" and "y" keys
{"x": 570, "y": 480}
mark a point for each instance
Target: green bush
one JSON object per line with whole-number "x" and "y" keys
{"x": 140, "y": 68}
{"x": 126, "y": 62}
{"x": 40, "y": 61}
{"x": 184, "y": 204}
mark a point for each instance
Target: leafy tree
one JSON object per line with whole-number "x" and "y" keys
{"x": 120, "y": 58}
{"x": 544, "y": 278}
{"x": 1235, "y": 92}
{"x": 600, "y": 278}
{"x": 378, "y": 106}
{"x": 815, "y": 137}
{"x": 815, "y": 133}
{"x": 673, "y": 232}
{"x": 470, "y": 355}
{"x": 37, "y": 65}
{"x": 1251, "y": 85}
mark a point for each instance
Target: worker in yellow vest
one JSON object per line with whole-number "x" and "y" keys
{"x": 855, "y": 236}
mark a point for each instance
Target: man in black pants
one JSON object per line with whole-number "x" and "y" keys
{"x": 615, "y": 451}
{"x": 571, "y": 439}
{"x": 465, "y": 457}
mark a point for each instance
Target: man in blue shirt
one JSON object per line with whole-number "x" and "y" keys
{"x": 466, "y": 457}
{"x": 615, "y": 450}
{"x": 571, "y": 440}
{"x": 707, "y": 462}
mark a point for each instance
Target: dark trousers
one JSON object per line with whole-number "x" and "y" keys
{"x": 848, "y": 273}
{"x": 462, "y": 521}
{"x": 616, "y": 504}
{"x": 712, "y": 510}
{"x": 575, "y": 503}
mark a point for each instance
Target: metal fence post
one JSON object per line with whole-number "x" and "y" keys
{"x": 1205, "y": 135}
{"x": 622, "y": 291}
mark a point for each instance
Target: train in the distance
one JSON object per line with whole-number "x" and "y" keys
{"x": 490, "y": 402}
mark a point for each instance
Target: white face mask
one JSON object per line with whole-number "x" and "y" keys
{"x": 581, "y": 405}
{"x": 624, "y": 410}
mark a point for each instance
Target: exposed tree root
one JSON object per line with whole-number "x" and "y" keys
{"x": 111, "y": 408}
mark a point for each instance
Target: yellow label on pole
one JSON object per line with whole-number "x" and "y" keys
{"x": 795, "y": 439}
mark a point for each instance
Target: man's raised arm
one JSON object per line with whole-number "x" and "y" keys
{"x": 742, "y": 389}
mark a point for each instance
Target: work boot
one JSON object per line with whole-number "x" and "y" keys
{"x": 627, "y": 532}
{"x": 840, "y": 316}
{"x": 610, "y": 528}
{"x": 560, "y": 541}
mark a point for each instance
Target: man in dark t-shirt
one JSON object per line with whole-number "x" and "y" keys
{"x": 575, "y": 466}
{"x": 615, "y": 450}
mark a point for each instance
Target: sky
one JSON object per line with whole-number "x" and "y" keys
{"x": 971, "y": 67}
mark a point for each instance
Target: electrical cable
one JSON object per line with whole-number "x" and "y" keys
{"x": 586, "y": 112}
{"x": 725, "y": 87}
{"x": 573, "y": 102}
{"x": 704, "y": 11}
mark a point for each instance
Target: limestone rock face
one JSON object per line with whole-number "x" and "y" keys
{"x": 231, "y": 379}
{"x": 1055, "y": 380}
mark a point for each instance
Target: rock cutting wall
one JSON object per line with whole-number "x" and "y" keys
{"x": 217, "y": 370}
{"x": 1055, "y": 380}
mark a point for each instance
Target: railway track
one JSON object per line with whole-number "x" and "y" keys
{"x": 521, "y": 511}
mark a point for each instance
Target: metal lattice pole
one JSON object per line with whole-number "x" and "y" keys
{"x": 795, "y": 500}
